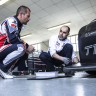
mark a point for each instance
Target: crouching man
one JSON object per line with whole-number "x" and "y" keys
{"x": 12, "y": 48}
{"x": 60, "y": 51}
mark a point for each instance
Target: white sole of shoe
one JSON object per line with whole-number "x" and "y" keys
{"x": 6, "y": 76}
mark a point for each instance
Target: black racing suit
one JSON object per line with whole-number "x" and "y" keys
{"x": 11, "y": 46}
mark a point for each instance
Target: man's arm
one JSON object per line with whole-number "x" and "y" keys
{"x": 58, "y": 57}
{"x": 63, "y": 59}
{"x": 13, "y": 35}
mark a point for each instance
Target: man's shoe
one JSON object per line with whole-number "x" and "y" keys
{"x": 5, "y": 75}
{"x": 69, "y": 73}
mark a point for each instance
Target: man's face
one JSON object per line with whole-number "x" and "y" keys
{"x": 26, "y": 17}
{"x": 63, "y": 33}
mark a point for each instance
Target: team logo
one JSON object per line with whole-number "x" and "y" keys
{"x": 57, "y": 43}
{"x": 13, "y": 25}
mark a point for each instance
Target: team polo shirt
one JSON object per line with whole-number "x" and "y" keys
{"x": 56, "y": 45}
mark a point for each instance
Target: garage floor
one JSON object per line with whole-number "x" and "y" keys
{"x": 81, "y": 84}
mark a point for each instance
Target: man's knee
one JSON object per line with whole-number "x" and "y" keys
{"x": 21, "y": 49}
{"x": 42, "y": 55}
{"x": 69, "y": 46}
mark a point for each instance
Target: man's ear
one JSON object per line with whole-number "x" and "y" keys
{"x": 68, "y": 34}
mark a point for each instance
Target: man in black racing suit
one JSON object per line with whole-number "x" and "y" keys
{"x": 12, "y": 48}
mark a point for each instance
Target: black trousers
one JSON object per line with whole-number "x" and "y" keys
{"x": 20, "y": 64}
{"x": 50, "y": 62}
{"x": 9, "y": 54}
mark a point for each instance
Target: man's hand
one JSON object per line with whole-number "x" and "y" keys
{"x": 30, "y": 49}
{"x": 66, "y": 60}
{"x": 75, "y": 60}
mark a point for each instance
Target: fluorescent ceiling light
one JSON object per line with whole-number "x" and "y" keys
{"x": 3, "y": 1}
{"x": 58, "y": 26}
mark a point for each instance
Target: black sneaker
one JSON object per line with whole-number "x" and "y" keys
{"x": 69, "y": 73}
{"x": 70, "y": 64}
{"x": 2, "y": 67}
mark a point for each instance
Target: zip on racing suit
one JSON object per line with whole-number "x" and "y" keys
{"x": 11, "y": 46}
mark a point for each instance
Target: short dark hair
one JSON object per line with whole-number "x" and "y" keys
{"x": 67, "y": 27}
{"x": 23, "y": 9}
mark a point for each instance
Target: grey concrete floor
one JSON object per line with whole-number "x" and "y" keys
{"x": 79, "y": 85}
